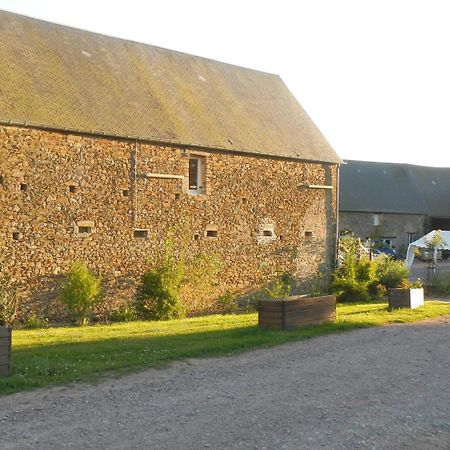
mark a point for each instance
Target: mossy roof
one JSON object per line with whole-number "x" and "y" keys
{"x": 68, "y": 78}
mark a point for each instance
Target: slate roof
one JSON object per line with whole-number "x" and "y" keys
{"x": 394, "y": 188}
{"x": 68, "y": 78}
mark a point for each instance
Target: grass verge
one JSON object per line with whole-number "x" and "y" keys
{"x": 61, "y": 355}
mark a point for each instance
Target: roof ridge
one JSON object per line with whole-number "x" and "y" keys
{"x": 132, "y": 41}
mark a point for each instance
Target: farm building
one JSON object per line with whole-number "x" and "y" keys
{"x": 107, "y": 144}
{"x": 393, "y": 203}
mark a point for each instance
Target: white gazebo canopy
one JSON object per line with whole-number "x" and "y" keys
{"x": 422, "y": 243}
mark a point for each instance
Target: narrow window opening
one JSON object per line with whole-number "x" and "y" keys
{"x": 177, "y": 196}
{"x": 308, "y": 233}
{"x": 212, "y": 233}
{"x": 24, "y": 187}
{"x": 194, "y": 179}
{"x": 125, "y": 192}
{"x": 72, "y": 189}
{"x": 268, "y": 233}
{"x": 16, "y": 235}
{"x": 2, "y": 180}
{"x": 197, "y": 175}
{"x": 141, "y": 234}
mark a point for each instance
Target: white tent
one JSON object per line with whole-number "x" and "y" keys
{"x": 422, "y": 243}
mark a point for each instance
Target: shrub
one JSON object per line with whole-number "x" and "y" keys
{"x": 9, "y": 303}
{"x": 124, "y": 313}
{"x": 81, "y": 292}
{"x": 34, "y": 321}
{"x": 159, "y": 293}
{"x": 228, "y": 302}
{"x": 356, "y": 273}
{"x": 350, "y": 290}
{"x": 201, "y": 280}
{"x": 360, "y": 276}
{"x": 391, "y": 273}
{"x": 280, "y": 287}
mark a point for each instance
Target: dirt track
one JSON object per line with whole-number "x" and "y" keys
{"x": 384, "y": 388}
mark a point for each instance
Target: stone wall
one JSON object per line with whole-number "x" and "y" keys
{"x": 394, "y": 226}
{"x": 111, "y": 202}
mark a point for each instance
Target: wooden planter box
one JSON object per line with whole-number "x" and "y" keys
{"x": 5, "y": 351}
{"x": 405, "y": 298}
{"x": 297, "y": 311}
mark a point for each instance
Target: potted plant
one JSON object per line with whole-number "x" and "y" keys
{"x": 408, "y": 295}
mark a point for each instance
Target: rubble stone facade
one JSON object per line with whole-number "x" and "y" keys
{"x": 110, "y": 202}
{"x": 398, "y": 230}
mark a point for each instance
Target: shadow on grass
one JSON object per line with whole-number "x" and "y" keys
{"x": 43, "y": 364}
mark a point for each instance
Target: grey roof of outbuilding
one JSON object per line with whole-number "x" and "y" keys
{"x": 394, "y": 188}
{"x": 68, "y": 78}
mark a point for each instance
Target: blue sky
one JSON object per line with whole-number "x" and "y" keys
{"x": 373, "y": 75}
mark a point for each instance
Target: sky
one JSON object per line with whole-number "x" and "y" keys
{"x": 373, "y": 75}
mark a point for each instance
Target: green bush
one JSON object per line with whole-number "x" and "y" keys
{"x": 390, "y": 273}
{"x": 359, "y": 278}
{"x": 9, "y": 304}
{"x": 228, "y": 302}
{"x": 351, "y": 280}
{"x": 348, "y": 290}
{"x": 124, "y": 313}
{"x": 280, "y": 287}
{"x": 159, "y": 293}
{"x": 34, "y": 321}
{"x": 81, "y": 292}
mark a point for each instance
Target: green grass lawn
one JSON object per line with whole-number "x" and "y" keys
{"x": 60, "y": 355}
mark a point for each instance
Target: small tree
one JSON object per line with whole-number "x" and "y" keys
{"x": 435, "y": 243}
{"x": 81, "y": 292}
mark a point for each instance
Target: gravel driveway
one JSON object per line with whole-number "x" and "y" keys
{"x": 384, "y": 388}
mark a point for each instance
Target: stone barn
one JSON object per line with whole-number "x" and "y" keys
{"x": 107, "y": 144}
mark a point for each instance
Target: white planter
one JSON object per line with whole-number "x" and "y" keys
{"x": 406, "y": 298}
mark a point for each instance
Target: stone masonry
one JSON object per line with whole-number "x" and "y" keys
{"x": 111, "y": 202}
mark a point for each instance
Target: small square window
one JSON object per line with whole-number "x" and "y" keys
{"x": 72, "y": 188}
{"x": 125, "y": 192}
{"x": 308, "y": 233}
{"x": 23, "y": 187}
{"x": 16, "y": 235}
{"x": 212, "y": 233}
{"x": 84, "y": 228}
{"x": 140, "y": 234}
